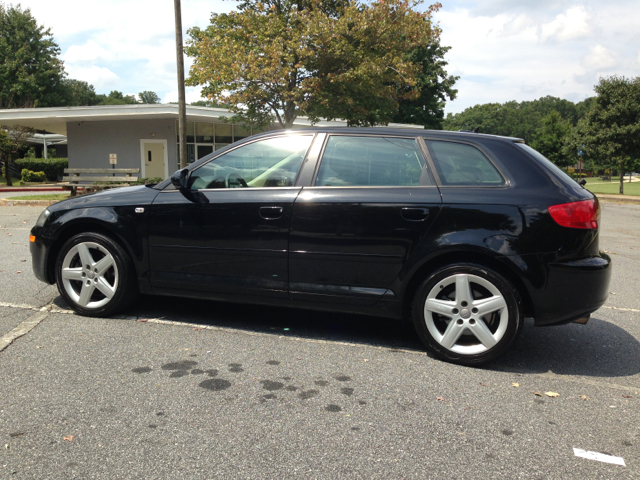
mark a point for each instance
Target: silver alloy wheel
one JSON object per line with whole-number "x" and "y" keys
{"x": 89, "y": 275}
{"x": 466, "y": 314}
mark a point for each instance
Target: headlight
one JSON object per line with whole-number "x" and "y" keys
{"x": 43, "y": 217}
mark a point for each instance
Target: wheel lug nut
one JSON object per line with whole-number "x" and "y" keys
{"x": 84, "y": 274}
{"x": 460, "y": 321}
{"x": 454, "y": 311}
{"x": 464, "y": 304}
{"x": 472, "y": 321}
{"x": 474, "y": 310}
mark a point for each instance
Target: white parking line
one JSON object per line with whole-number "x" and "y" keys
{"x": 600, "y": 457}
{"x": 23, "y": 328}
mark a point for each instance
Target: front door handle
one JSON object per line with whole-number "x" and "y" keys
{"x": 414, "y": 214}
{"x": 271, "y": 213}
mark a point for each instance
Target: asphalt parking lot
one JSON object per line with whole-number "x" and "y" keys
{"x": 191, "y": 389}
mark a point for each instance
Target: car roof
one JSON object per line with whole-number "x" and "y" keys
{"x": 459, "y": 135}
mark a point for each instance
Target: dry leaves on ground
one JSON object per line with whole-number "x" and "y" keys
{"x": 515, "y": 385}
{"x": 584, "y": 397}
{"x": 537, "y": 394}
{"x": 552, "y": 394}
{"x": 69, "y": 438}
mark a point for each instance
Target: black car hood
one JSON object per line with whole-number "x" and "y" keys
{"x": 135, "y": 195}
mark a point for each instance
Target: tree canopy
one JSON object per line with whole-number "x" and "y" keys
{"x": 148, "y": 97}
{"x": 324, "y": 59}
{"x": 31, "y": 74}
{"x": 609, "y": 132}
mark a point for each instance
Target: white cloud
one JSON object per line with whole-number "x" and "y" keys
{"x": 192, "y": 94}
{"x": 600, "y": 58}
{"x": 100, "y": 77}
{"x": 88, "y": 53}
{"x": 572, "y": 24}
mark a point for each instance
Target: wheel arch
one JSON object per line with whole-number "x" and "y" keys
{"x": 73, "y": 228}
{"x": 460, "y": 257}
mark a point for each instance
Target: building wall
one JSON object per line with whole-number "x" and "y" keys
{"x": 90, "y": 143}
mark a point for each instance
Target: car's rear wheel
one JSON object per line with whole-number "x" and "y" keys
{"x": 95, "y": 275}
{"x": 467, "y": 314}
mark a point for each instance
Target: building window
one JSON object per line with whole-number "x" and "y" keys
{"x": 205, "y": 138}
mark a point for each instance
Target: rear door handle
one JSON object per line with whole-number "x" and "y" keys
{"x": 414, "y": 214}
{"x": 271, "y": 213}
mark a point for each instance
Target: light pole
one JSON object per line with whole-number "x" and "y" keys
{"x": 182, "y": 106}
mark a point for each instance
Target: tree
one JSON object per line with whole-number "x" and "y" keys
{"x": 117, "y": 98}
{"x": 610, "y": 130}
{"x": 148, "y": 97}
{"x": 79, "y": 93}
{"x": 12, "y": 139}
{"x": 435, "y": 87}
{"x": 31, "y": 74}
{"x": 550, "y": 137}
{"x": 336, "y": 59}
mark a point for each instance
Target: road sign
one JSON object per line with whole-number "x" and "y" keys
{"x": 113, "y": 159}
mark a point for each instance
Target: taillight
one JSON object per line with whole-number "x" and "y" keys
{"x": 583, "y": 214}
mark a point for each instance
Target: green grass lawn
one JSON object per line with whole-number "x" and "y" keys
{"x": 595, "y": 185}
{"x": 50, "y": 196}
{"x": 16, "y": 181}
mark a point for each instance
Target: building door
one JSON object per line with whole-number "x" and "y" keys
{"x": 154, "y": 158}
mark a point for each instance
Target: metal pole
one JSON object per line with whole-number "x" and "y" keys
{"x": 182, "y": 106}
{"x": 44, "y": 140}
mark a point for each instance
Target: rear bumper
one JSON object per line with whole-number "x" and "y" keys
{"x": 572, "y": 289}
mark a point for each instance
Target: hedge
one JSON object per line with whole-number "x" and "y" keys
{"x": 52, "y": 167}
{"x": 29, "y": 176}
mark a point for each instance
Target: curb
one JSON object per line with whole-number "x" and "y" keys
{"x": 629, "y": 199}
{"x": 5, "y": 202}
{"x": 31, "y": 189}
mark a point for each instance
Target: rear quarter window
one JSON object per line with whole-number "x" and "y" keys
{"x": 462, "y": 164}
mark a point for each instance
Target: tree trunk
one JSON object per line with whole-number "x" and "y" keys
{"x": 7, "y": 164}
{"x": 622, "y": 177}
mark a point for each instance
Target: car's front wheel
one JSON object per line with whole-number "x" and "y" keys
{"x": 467, "y": 314}
{"x": 95, "y": 275}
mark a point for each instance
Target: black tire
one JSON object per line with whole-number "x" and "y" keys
{"x": 74, "y": 279}
{"x": 474, "y": 344}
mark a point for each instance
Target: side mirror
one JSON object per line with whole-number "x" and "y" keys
{"x": 582, "y": 182}
{"x": 180, "y": 179}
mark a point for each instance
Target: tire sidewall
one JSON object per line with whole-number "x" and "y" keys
{"x": 124, "y": 273}
{"x": 510, "y": 294}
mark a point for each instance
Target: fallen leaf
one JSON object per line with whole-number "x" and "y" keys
{"x": 552, "y": 394}
{"x": 142, "y": 319}
{"x": 17, "y": 434}
{"x": 6, "y": 446}
{"x": 14, "y": 243}
{"x": 9, "y": 233}
{"x": 39, "y": 346}
{"x": 366, "y": 360}
{"x": 69, "y": 438}
{"x": 483, "y": 384}
{"x": 584, "y": 397}
{"x": 612, "y": 293}
{"x": 440, "y": 399}
{"x": 537, "y": 394}
{"x": 627, "y": 396}
{"x": 515, "y": 385}
{"x": 23, "y": 260}
{"x": 19, "y": 271}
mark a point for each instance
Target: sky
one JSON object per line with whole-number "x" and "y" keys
{"x": 502, "y": 50}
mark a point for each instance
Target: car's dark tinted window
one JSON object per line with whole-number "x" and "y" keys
{"x": 273, "y": 162}
{"x": 462, "y": 164}
{"x": 370, "y": 161}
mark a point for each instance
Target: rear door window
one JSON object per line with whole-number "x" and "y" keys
{"x": 353, "y": 161}
{"x": 462, "y": 164}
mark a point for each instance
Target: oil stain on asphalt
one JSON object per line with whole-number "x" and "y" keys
{"x": 183, "y": 368}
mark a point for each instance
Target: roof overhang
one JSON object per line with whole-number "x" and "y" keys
{"x": 55, "y": 119}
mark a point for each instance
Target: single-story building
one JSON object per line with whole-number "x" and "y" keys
{"x": 141, "y": 136}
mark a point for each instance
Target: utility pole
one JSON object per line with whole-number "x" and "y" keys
{"x": 182, "y": 106}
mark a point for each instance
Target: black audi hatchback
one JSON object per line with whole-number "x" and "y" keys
{"x": 463, "y": 234}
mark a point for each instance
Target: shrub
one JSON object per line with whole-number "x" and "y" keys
{"x": 29, "y": 176}
{"x": 147, "y": 181}
{"x": 52, "y": 167}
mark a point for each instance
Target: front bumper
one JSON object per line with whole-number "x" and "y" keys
{"x": 39, "y": 254}
{"x": 572, "y": 289}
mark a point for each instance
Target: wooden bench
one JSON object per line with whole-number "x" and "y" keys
{"x": 123, "y": 177}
